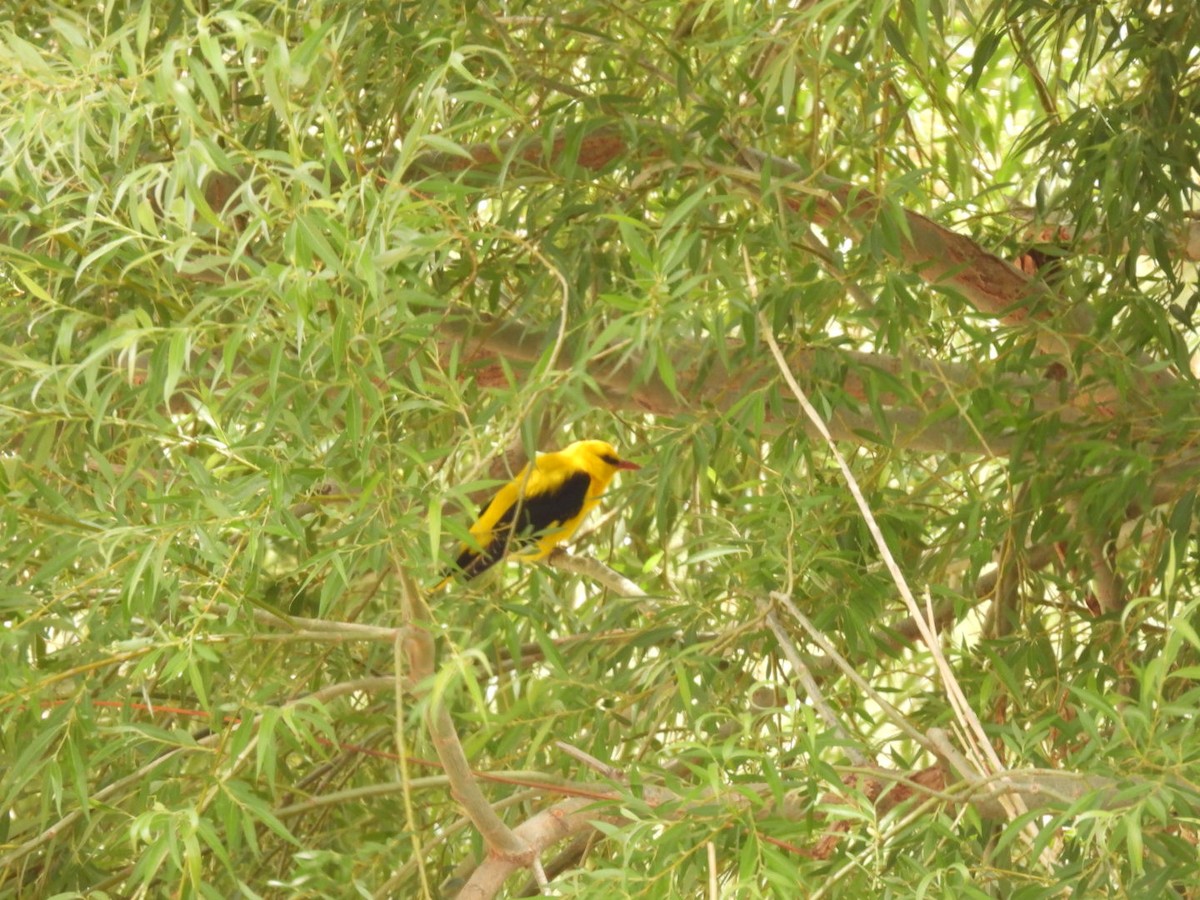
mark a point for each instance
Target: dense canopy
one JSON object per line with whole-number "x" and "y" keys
{"x": 288, "y": 287}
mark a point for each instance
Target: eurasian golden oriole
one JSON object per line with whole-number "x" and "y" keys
{"x": 540, "y": 508}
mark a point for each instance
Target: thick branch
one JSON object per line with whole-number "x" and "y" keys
{"x": 910, "y": 422}
{"x": 713, "y": 383}
{"x": 607, "y": 143}
{"x": 542, "y": 831}
{"x": 939, "y": 255}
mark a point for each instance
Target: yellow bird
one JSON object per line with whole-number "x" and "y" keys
{"x": 540, "y": 508}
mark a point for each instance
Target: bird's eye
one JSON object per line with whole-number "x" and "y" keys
{"x": 610, "y": 459}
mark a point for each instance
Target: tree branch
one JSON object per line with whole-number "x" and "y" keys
{"x": 597, "y": 571}
{"x": 418, "y": 646}
{"x": 721, "y": 380}
{"x": 804, "y": 676}
{"x": 545, "y": 829}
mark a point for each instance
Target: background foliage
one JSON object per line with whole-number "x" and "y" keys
{"x": 285, "y": 286}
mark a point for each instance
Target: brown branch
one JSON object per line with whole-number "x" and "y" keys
{"x": 543, "y": 830}
{"x": 1110, "y": 593}
{"x": 595, "y": 151}
{"x": 1049, "y": 106}
{"x": 938, "y": 254}
{"x": 722, "y": 380}
{"x": 1185, "y": 244}
{"x": 722, "y": 385}
{"x": 418, "y": 646}
{"x": 606, "y": 143}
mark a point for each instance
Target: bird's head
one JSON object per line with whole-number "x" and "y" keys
{"x": 599, "y": 456}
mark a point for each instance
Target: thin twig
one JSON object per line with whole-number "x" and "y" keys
{"x": 849, "y": 671}
{"x": 410, "y": 812}
{"x": 539, "y": 874}
{"x": 804, "y": 676}
{"x": 714, "y": 887}
{"x": 567, "y": 858}
{"x": 316, "y": 629}
{"x": 954, "y": 692}
{"x": 590, "y": 761}
{"x": 1110, "y": 593}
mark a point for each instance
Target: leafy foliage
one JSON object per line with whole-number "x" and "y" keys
{"x": 286, "y": 286}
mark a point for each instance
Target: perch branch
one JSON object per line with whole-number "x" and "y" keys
{"x": 596, "y": 571}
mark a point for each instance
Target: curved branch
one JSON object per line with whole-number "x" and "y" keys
{"x": 939, "y": 255}
{"x": 419, "y": 649}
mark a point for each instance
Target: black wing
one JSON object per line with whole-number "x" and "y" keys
{"x": 532, "y": 516}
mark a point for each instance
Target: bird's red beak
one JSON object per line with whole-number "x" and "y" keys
{"x": 626, "y": 464}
